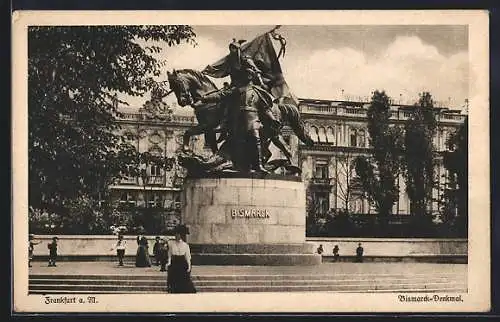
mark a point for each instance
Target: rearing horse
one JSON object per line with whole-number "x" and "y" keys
{"x": 190, "y": 85}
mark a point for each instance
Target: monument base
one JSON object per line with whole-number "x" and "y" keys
{"x": 247, "y": 221}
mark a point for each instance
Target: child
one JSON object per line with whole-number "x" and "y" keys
{"x": 156, "y": 250}
{"x": 120, "y": 249}
{"x": 53, "y": 252}
{"x": 31, "y": 248}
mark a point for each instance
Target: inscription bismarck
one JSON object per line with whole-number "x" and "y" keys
{"x": 249, "y": 213}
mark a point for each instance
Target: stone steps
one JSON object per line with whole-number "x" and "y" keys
{"x": 256, "y": 259}
{"x": 209, "y": 258}
{"x": 300, "y": 248}
{"x": 246, "y": 277}
{"x": 49, "y": 284}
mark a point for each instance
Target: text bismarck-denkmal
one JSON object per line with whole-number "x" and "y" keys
{"x": 430, "y": 298}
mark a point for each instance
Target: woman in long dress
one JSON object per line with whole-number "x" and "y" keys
{"x": 179, "y": 264}
{"x": 142, "y": 257}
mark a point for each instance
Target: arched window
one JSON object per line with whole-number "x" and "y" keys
{"x": 353, "y": 138}
{"x": 330, "y": 135}
{"x": 313, "y": 133}
{"x": 322, "y": 135}
{"x": 362, "y": 138}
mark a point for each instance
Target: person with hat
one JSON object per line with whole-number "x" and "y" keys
{"x": 241, "y": 69}
{"x": 31, "y": 248}
{"x": 359, "y": 253}
{"x": 120, "y": 249}
{"x": 156, "y": 250}
{"x": 248, "y": 103}
{"x": 53, "y": 251}
{"x": 142, "y": 258}
{"x": 179, "y": 263}
{"x": 163, "y": 254}
{"x": 336, "y": 255}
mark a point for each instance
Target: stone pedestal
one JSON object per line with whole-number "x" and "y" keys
{"x": 247, "y": 221}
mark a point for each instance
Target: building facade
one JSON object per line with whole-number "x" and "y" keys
{"x": 339, "y": 129}
{"x": 157, "y": 188}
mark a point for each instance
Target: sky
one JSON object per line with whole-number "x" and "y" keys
{"x": 350, "y": 62}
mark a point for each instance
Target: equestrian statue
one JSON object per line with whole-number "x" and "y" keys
{"x": 248, "y": 114}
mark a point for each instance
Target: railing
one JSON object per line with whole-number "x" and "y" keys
{"x": 355, "y": 111}
{"x": 317, "y": 109}
{"x": 129, "y": 180}
{"x": 397, "y": 112}
{"x": 455, "y": 117}
{"x": 156, "y": 180}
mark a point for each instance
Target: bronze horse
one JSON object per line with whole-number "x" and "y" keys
{"x": 190, "y": 85}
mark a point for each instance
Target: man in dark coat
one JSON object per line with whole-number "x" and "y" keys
{"x": 53, "y": 252}
{"x": 156, "y": 250}
{"x": 163, "y": 254}
{"x": 359, "y": 254}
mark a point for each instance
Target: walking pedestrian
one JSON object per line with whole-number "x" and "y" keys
{"x": 120, "y": 249}
{"x": 179, "y": 264}
{"x": 53, "y": 252}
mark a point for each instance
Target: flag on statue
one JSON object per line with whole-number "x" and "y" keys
{"x": 261, "y": 50}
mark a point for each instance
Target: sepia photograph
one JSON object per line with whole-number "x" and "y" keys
{"x": 251, "y": 161}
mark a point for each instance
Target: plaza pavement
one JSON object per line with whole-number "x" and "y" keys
{"x": 341, "y": 268}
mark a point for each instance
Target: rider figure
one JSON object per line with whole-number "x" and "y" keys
{"x": 248, "y": 101}
{"x": 241, "y": 68}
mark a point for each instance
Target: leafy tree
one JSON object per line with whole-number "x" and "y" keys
{"x": 74, "y": 73}
{"x": 379, "y": 172}
{"x": 419, "y": 159}
{"x": 455, "y": 195}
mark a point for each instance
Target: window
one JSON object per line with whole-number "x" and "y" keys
{"x": 322, "y": 202}
{"x": 128, "y": 176}
{"x": 126, "y": 198}
{"x": 177, "y": 201}
{"x": 155, "y": 171}
{"x": 322, "y": 135}
{"x": 313, "y": 133}
{"x": 330, "y": 135}
{"x": 321, "y": 170}
{"x": 155, "y": 200}
{"x": 362, "y": 138}
{"x": 353, "y": 136}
